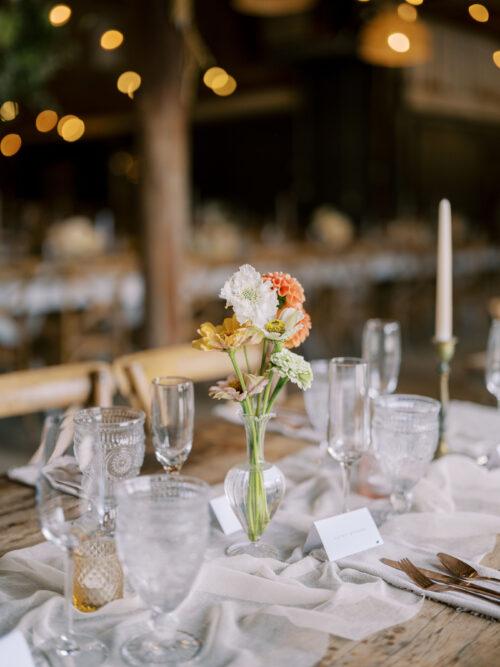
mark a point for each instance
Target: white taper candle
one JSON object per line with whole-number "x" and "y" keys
{"x": 444, "y": 280}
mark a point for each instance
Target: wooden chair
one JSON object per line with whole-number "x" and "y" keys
{"x": 134, "y": 372}
{"x": 53, "y": 387}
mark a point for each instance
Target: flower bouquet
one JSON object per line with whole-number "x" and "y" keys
{"x": 268, "y": 310}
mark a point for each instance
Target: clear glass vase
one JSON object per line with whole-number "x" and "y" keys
{"x": 255, "y": 490}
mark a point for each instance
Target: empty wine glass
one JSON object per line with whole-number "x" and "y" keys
{"x": 162, "y": 532}
{"x": 316, "y": 402}
{"x": 172, "y": 408}
{"x": 493, "y": 361}
{"x": 405, "y": 436}
{"x": 68, "y": 519}
{"x": 382, "y": 350}
{"x": 348, "y": 427}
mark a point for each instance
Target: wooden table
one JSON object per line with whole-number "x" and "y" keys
{"x": 439, "y": 636}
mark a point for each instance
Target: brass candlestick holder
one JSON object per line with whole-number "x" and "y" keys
{"x": 445, "y": 351}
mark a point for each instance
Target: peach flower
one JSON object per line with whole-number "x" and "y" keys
{"x": 299, "y": 337}
{"x": 290, "y": 291}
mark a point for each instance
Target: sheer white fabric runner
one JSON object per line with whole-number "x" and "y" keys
{"x": 254, "y": 612}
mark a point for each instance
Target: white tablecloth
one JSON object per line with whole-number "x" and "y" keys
{"x": 254, "y": 612}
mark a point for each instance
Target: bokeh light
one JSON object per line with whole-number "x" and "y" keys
{"x": 479, "y": 13}
{"x": 59, "y": 15}
{"x": 496, "y": 58}
{"x": 10, "y": 144}
{"x": 9, "y": 110}
{"x": 128, "y": 83}
{"x": 415, "y": 2}
{"x": 71, "y": 128}
{"x": 399, "y": 42}
{"x": 407, "y": 12}
{"x": 212, "y": 73}
{"x": 111, "y": 39}
{"x": 227, "y": 89}
{"x": 220, "y": 81}
{"x": 46, "y": 120}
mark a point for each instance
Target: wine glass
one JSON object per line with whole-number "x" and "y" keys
{"x": 162, "y": 532}
{"x": 405, "y": 436}
{"x": 493, "y": 361}
{"x": 68, "y": 519}
{"x": 316, "y": 402}
{"x": 348, "y": 427}
{"x": 382, "y": 350}
{"x": 172, "y": 408}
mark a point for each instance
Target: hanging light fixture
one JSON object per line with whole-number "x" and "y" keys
{"x": 273, "y": 7}
{"x": 389, "y": 41}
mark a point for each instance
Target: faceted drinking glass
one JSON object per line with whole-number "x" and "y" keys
{"x": 493, "y": 361}
{"x": 69, "y": 519}
{"x": 172, "y": 409}
{"x": 162, "y": 532}
{"x": 348, "y": 427}
{"x": 382, "y": 350}
{"x": 405, "y": 435}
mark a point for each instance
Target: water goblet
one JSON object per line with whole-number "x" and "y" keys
{"x": 348, "y": 427}
{"x": 493, "y": 361}
{"x": 381, "y": 345}
{"x": 316, "y": 402}
{"x": 68, "y": 519}
{"x": 405, "y": 437}
{"x": 162, "y": 532}
{"x": 172, "y": 409}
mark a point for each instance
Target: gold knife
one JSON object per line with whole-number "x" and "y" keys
{"x": 446, "y": 579}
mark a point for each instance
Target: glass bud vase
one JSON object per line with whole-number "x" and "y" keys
{"x": 255, "y": 490}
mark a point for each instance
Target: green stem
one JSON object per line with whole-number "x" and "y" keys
{"x": 263, "y": 360}
{"x": 246, "y": 404}
{"x": 246, "y": 359}
{"x": 281, "y": 383}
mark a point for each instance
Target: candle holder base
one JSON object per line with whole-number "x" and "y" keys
{"x": 445, "y": 352}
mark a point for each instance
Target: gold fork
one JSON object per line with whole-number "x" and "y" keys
{"x": 427, "y": 584}
{"x": 461, "y": 569}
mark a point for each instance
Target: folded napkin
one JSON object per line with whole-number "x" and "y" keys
{"x": 279, "y": 612}
{"x": 62, "y": 473}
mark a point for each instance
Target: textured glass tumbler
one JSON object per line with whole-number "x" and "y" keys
{"x": 98, "y": 576}
{"x": 405, "y": 437}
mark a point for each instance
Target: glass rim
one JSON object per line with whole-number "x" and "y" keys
{"x": 384, "y": 402}
{"x": 383, "y": 322}
{"x": 127, "y": 488}
{"x": 347, "y": 362}
{"x": 130, "y": 416}
{"x": 171, "y": 381}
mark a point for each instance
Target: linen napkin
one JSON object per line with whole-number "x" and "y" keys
{"x": 474, "y": 430}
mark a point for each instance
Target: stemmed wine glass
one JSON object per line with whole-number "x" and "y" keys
{"x": 68, "y": 519}
{"x": 316, "y": 402}
{"x": 348, "y": 427}
{"x": 162, "y": 532}
{"x": 172, "y": 408}
{"x": 381, "y": 345}
{"x": 405, "y": 434}
{"x": 493, "y": 361}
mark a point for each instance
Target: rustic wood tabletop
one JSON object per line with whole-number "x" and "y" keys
{"x": 438, "y": 636}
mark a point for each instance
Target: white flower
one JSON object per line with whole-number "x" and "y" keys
{"x": 252, "y": 299}
{"x": 294, "y": 367}
{"x": 284, "y": 326}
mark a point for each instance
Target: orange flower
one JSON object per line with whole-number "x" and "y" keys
{"x": 290, "y": 291}
{"x": 299, "y": 337}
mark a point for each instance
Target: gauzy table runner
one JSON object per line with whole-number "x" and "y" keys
{"x": 253, "y": 612}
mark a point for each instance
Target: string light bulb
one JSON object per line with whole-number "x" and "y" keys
{"x": 10, "y": 144}
{"x": 59, "y": 15}
{"x": 407, "y": 12}
{"x": 496, "y": 58}
{"x": 399, "y": 42}
{"x": 227, "y": 89}
{"x": 46, "y": 120}
{"x": 71, "y": 128}
{"x": 9, "y": 110}
{"x": 128, "y": 83}
{"x": 212, "y": 74}
{"x": 479, "y": 13}
{"x": 111, "y": 39}
{"x": 416, "y": 3}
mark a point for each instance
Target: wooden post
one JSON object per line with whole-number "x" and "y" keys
{"x": 164, "y": 118}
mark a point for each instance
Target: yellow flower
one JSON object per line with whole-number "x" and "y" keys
{"x": 229, "y": 335}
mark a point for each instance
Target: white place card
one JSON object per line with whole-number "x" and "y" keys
{"x": 344, "y": 534}
{"x": 224, "y": 514}
{"x": 14, "y": 650}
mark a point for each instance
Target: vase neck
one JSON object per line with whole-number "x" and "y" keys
{"x": 255, "y": 431}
